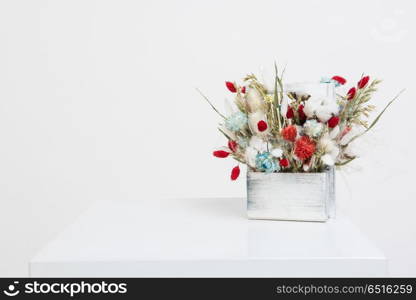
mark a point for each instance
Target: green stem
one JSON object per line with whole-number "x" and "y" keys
{"x": 378, "y": 117}
{"x": 209, "y": 102}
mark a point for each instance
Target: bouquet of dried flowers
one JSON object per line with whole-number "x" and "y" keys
{"x": 295, "y": 128}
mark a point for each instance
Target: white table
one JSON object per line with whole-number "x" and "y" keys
{"x": 203, "y": 238}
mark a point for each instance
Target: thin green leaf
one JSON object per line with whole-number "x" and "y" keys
{"x": 378, "y": 117}
{"x": 278, "y": 82}
{"x": 345, "y": 162}
{"x": 222, "y": 131}
{"x": 276, "y": 79}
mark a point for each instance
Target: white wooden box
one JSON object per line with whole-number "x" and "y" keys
{"x": 291, "y": 196}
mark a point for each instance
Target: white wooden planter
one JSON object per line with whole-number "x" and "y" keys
{"x": 291, "y": 196}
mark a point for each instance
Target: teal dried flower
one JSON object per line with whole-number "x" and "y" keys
{"x": 236, "y": 122}
{"x": 266, "y": 163}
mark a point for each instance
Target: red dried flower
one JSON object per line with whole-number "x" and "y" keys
{"x": 221, "y": 153}
{"x": 243, "y": 89}
{"x": 235, "y": 172}
{"x": 232, "y": 145}
{"x": 304, "y": 148}
{"x": 351, "y": 93}
{"x": 284, "y": 162}
{"x": 363, "y": 82}
{"x": 333, "y": 121}
{"x": 262, "y": 126}
{"x": 302, "y": 116}
{"x": 289, "y": 113}
{"x": 289, "y": 133}
{"x": 341, "y": 80}
{"x": 230, "y": 86}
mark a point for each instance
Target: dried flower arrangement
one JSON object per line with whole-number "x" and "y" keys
{"x": 291, "y": 129}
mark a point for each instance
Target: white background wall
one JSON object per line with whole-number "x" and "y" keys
{"x": 97, "y": 102}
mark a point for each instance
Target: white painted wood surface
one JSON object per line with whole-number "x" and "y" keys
{"x": 203, "y": 238}
{"x": 291, "y": 196}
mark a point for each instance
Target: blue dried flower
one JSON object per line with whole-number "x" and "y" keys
{"x": 236, "y": 121}
{"x": 266, "y": 163}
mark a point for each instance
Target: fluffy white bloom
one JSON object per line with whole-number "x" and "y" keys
{"x": 277, "y": 152}
{"x": 313, "y": 128}
{"x": 321, "y": 107}
{"x": 327, "y": 160}
{"x": 310, "y": 107}
{"x": 254, "y": 100}
{"x": 258, "y": 144}
{"x": 250, "y": 156}
{"x": 325, "y": 112}
{"x": 328, "y": 145}
{"x": 334, "y": 132}
{"x": 253, "y": 119}
{"x": 330, "y": 149}
{"x": 255, "y": 146}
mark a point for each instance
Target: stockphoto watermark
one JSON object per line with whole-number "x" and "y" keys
{"x": 15, "y": 287}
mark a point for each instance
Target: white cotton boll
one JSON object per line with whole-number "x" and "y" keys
{"x": 277, "y": 152}
{"x": 254, "y": 99}
{"x": 254, "y": 119}
{"x": 333, "y": 107}
{"x": 326, "y": 144}
{"x": 310, "y": 108}
{"x": 330, "y": 149}
{"x": 335, "y": 151}
{"x": 258, "y": 144}
{"x": 334, "y": 132}
{"x": 250, "y": 156}
{"x": 326, "y": 111}
{"x": 327, "y": 160}
{"x": 322, "y": 107}
{"x": 323, "y": 114}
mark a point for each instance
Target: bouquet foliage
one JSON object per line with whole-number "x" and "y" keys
{"x": 295, "y": 127}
